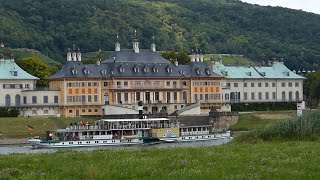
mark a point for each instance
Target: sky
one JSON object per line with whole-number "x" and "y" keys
{"x": 305, "y": 5}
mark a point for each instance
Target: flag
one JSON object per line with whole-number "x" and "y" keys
{"x": 29, "y": 128}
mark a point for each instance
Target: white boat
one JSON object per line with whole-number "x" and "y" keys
{"x": 117, "y": 132}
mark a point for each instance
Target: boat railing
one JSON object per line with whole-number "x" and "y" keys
{"x": 86, "y": 127}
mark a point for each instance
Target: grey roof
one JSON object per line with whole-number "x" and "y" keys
{"x": 128, "y": 55}
{"x": 127, "y": 64}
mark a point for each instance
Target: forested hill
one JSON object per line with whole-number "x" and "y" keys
{"x": 216, "y": 26}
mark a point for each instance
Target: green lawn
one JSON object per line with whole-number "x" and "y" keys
{"x": 271, "y": 160}
{"x": 17, "y": 127}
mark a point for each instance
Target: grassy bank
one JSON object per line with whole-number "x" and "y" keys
{"x": 17, "y": 127}
{"x": 280, "y": 160}
{"x": 250, "y": 121}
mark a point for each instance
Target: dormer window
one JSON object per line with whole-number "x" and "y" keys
{"x": 103, "y": 72}
{"x": 249, "y": 73}
{"x": 225, "y": 73}
{"x": 85, "y": 71}
{"x": 286, "y": 73}
{"x": 121, "y": 69}
{"x": 73, "y": 71}
{"x": 145, "y": 69}
{"x": 198, "y": 71}
{"x": 154, "y": 69}
{"x": 208, "y": 70}
{"x": 181, "y": 72}
{"x": 263, "y": 73}
{"x": 135, "y": 69}
{"x": 169, "y": 70}
{"x": 14, "y": 73}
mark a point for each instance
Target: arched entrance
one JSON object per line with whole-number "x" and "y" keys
{"x": 184, "y": 97}
{"x": 18, "y": 100}
{"x": 8, "y": 100}
{"x": 154, "y": 109}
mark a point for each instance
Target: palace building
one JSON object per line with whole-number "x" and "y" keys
{"x": 117, "y": 84}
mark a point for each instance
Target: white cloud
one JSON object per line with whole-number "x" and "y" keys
{"x": 305, "y": 5}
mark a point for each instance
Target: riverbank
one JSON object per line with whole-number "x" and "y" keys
{"x": 9, "y": 142}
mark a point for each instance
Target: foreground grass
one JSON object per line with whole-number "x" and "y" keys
{"x": 17, "y": 127}
{"x": 280, "y": 160}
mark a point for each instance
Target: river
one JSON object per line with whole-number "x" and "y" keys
{"x": 27, "y": 149}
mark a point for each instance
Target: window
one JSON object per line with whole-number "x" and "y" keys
{"x": 201, "y": 97}
{"x": 175, "y": 107}
{"x": 56, "y": 99}
{"x": 252, "y": 84}
{"x": 34, "y": 111}
{"x": 125, "y": 84}
{"x": 273, "y": 84}
{"x": 267, "y": 95}
{"x": 45, "y": 99}
{"x": 83, "y": 110}
{"x": 245, "y": 85}
{"x": 174, "y": 84}
{"x": 95, "y": 98}
{"x": 259, "y": 84}
{"x": 196, "y": 97}
{"x": 89, "y": 98}
{"x": 89, "y": 110}
{"x": 184, "y": 83}
{"x": 283, "y": 96}
{"x": 274, "y": 95}
{"x": 290, "y": 84}
{"x": 34, "y": 99}
{"x": 118, "y": 84}
{"x": 252, "y": 96}
{"x": 126, "y": 97}
{"x": 70, "y": 111}
{"x": 89, "y": 84}
{"x": 95, "y": 110}
{"x": 83, "y": 84}
{"x": 83, "y": 98}
{"x": 8, "y": 100}
{"x": 175, "y": 96}
{"x": 105, "y": 84}
{"x": 119, "y": 98}
{"x": 147, "y": 96}
{"x": 245, "y": 96}
{"x": 260, "y": 95}
{"x": 95, "y": 84}
{"x": 168, "y": 97}
{"x": 69, "y": 99}
{"x": 45, "y": 111}
{"x": 283, "y": 84}
{"x": 235, "y": 85}
{"x": 138, "y": 96}
{"x": 168, "y": 83}
{"x": 156, "y": 96}
{"x": 25, "y": 100}
{"x": 266, "y": 84}
{"x": 296, "y": 84}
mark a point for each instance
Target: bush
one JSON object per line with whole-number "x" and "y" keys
{"x": 5, "y": 112}
{"x": 264, "y": 106}
{"x": 305, "y": 127}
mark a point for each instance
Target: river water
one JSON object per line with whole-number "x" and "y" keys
{"x": 27, "y": 149}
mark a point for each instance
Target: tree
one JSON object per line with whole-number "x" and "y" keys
{"x": 312, "y": 85}
{"x": 37, "y": 68}
{"x": 182, "y": 57}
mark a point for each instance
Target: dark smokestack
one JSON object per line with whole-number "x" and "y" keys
{"x": 140, "y": 108}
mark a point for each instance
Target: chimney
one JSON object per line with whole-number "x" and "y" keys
{"x": 117, "y": 46}
{"x": 98, "y": 63}
{"x": 12, "y": 57}
{"x": 153, "y": 45}
{"x": 197, "y": 57}
{"x": 1, "y": 57}
{"x": 140, "y": 108}
{"x": 74, "y": 56}
{"x": 135, "y": 43}
{"x": 176, "y": 63}
{"x": 79, "y": 55}
{"x": 69, "y": 55}
{"x": 201, "y": 57}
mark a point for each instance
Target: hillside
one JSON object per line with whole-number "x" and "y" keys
{"x": 23, "y": 52}
{"x": 219, "y": 26}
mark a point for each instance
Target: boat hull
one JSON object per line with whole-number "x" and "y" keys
{"x": 83, "y": 143}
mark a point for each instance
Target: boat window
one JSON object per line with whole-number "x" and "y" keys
{"x": 184, "y": 129}
{"x": 199, "y": 128}
{"x": 103, "y": 133}
{"x": 204, "y": 128}
{"x": 90, "y": 133}
{"x": 84, "y": 133}
{"x": 194, "y": 129}
{"x": 189, "y": 129}
{"x": 96, "y": 133}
